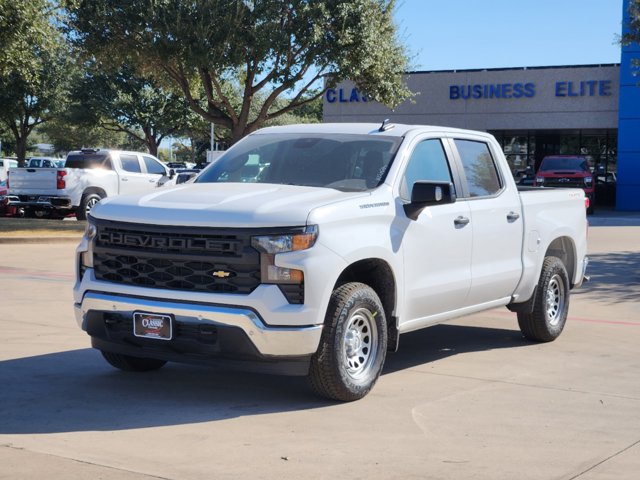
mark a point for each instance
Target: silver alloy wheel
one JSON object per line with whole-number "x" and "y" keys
{"x": 555, "y": 300}
{"x": 360, "y": 343}
{"x": 90, "y": 204}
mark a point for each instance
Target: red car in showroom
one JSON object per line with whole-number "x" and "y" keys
{"x": 567, "y": 171}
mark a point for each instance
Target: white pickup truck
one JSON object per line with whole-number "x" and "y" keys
{"x": 88, "y": 176}
{"x": 309, "y": 249}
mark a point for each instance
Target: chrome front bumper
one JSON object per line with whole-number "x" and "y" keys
{"x": 269, "y": 341}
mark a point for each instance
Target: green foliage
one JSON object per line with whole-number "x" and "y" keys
{"x": 24, "y": 24}
{"x": 632, "y": 20}
{"x": 122, "y": 101}
{"x": 39, "y": 89}
{"x": 241, "y": 63}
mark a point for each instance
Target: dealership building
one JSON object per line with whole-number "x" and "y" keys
{"x": 589, "y": 110}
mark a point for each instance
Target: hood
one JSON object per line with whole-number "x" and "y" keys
{"x": 221, "y": 205}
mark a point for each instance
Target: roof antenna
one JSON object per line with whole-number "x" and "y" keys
{"x": 386, "y": 125}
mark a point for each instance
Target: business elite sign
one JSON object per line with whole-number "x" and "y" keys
{"x": 518, "y": 90}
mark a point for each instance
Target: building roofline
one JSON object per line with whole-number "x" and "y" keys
{"x": 594, "y": 65}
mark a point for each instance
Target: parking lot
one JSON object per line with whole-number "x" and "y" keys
{"x": 467, "y": 400}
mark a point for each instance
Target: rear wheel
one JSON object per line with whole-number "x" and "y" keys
{"x": 89, "y": 200}
{"x": 551, "y": 304}
{"x": 132, "y": 364}
{"x": 352, "y": 349}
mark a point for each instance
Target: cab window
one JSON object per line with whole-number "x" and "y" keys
{"x": 427, "y": 162}
{"x": 130, "y": 163}
{"x": 153, "y": 166}
{"x": 479, "y": 168}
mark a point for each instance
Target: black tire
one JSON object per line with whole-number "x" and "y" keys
{"x": 86, "y": 204}
{"x": 353, "y": 345}
{"x": 132, "y": 364}
{"x": 550, "y": 305}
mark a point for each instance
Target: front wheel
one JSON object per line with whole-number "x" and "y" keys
{"x": 132, "y": 364}
{"x": 551, "y": 304}
{"x": 353, "y": 345}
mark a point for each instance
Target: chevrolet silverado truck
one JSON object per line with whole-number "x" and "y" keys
{"x": 309, "y": 249}
{"x": 88, "y": 176}
{"x": 567, "y": 171}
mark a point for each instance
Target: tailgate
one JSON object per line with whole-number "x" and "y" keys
{"x": 30, "y": 180}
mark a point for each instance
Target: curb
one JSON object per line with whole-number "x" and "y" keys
{"x": 35, "y": 240}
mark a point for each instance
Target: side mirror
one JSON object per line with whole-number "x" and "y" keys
{"x": 172, "y": 173}
{"x": 427, "y": 194}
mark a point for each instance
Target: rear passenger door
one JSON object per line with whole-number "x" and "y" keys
{"x": 496, "y": 256}
{"x": 437, "y": 245}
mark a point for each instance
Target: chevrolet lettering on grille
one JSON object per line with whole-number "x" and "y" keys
{"x": 154, "y": 241}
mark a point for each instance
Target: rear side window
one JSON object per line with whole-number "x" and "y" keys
{"x": 153, "y": 166}
{"x": 130, "y": 163}
{"x": 479, "y": 168}
{"x": 88, "y": 160}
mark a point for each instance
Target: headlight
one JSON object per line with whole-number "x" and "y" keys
{"x": 86, "y": 258}
{"x": 539, "y": 179}
{"x": 270, "y": 245}
{"x": 290, "y": 242}
{"x": 588, "y": 180}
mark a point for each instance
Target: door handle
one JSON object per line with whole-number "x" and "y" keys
{"x": 125, "y": 179}
{"x": 513, "y": 216}
{"x": 461, "y": 221}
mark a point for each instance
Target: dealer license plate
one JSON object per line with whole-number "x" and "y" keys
{"x": 152, "y": 325}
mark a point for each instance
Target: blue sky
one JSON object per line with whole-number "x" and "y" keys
{"x": 462, "y": 34}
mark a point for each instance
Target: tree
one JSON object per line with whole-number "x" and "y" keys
{"x": 23, "y": 24}
{"x": 632, "y": 21}
{"x": 34, "y": 95}
{"x": 121, "y": 101}
{"x": 33, "y": 67}
{"x": 279, "y": 54}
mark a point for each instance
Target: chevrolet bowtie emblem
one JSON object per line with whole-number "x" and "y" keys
{"x": 221, "y": 274}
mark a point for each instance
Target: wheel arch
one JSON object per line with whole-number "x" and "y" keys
{"x": 96, "y": 190}
{"x": 377, "y": 274}
{"x": 564, "y": 249}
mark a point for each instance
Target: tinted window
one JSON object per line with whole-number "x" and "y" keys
{"x": 479, "y": 168}
{"x": 428, "y": 162}
{"x": 130, "y": 163}
{"x": 153, "y": 165}
{"x": 88, "y": 160}
{"x": 340, "y": 161}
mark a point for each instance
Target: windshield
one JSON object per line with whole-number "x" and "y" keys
{"x": 564, "y": 163}
{"x": 340, "y": 161}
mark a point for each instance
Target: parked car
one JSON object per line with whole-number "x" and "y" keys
{"x": 567, "y": 171}
{"x": 89, "y": 175}
{"x": 5, "y": 165}
{"x": 5, "y": 208}
{"x": 44, "y": 162}
{"x": 183, "y": 175}
{"x": 349, "y": 236}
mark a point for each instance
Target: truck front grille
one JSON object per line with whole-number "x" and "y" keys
{"x": 564, "y": 182}
{"x": 201, "y": 260}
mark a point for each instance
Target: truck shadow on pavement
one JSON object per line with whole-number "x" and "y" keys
{"x": 615, "y": 277}
{"x": 77, "y": 391}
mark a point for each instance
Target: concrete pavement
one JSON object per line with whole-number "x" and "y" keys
{"x": 470, "y": 399}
